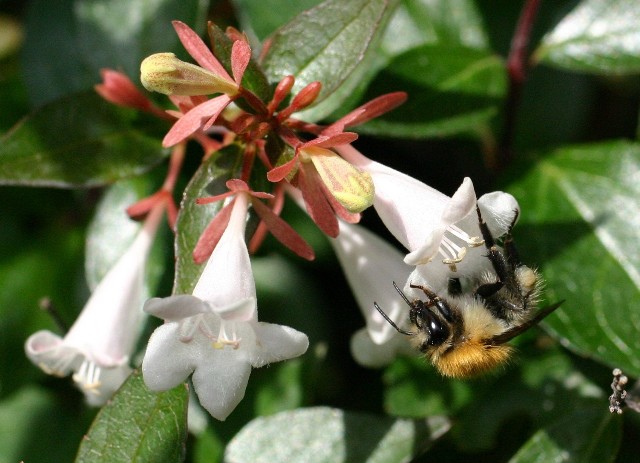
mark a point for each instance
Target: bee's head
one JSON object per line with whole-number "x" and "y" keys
{"x": 429, "y": 319}
{"x": 432, "y": 319}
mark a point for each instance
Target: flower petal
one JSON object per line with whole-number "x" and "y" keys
{"x": 227, "y": 276}
{"x": 99, "y": 384}
{"x": 108, "y": 327}
{"x": 371, "y": 265}
{"x": 168, "y": 361}
{"x": 461, "y": 204}
{"x": 372, "y": 355}
{"x": 220, "y": 381}
{"x": 48, "y": 351}
{"x": 498, "y": 209}
{"x": 277, "y": 343}
{"x": 177, "y": 307}
{"x": 242, "y": 310}
{"x": 410, "y": 209}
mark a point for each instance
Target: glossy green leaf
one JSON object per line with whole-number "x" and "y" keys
{"x": 325, "y": 43}
{"x": 261, "y": 17}
{"x": 209, "y": 180}
{"x": 451, "y": 90}
{"x": 413, "y": 23}
{"x": 598, "y": 36}
{"x": 585, "y": 435}
{"x": 66, "y": 46}
{"x": 580, "y": 216}
{"x": 138, "y": 425}
{"x": 544, "y": 387}
{"x": 455, "y": 23}
{"x": 78, "y": 141}
{"x": 323, "y": 434}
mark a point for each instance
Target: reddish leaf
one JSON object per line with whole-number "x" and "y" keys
{"x": 199, "y": 50}
{"x": 283, "y": 231}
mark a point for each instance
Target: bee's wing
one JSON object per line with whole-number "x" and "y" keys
{"x": 516, "y": 330}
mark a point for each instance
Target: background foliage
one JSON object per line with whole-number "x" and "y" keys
{"x": 571, "y": 158}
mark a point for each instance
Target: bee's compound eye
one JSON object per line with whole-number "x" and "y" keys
{"x": 438, "y": 333}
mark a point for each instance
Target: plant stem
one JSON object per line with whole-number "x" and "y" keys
{"x": 517, "y": 68}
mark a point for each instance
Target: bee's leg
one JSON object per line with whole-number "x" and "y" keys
{"x": 497, "y": 258}
{"x": 454, "y": 288}
{"x": 509, "y": 245}
{"x": 435, "y": 300}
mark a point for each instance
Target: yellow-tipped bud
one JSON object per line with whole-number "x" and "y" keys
{"x": 352, "y": 187}
{"x": 164, "y": 73}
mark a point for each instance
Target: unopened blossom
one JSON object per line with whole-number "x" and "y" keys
{"x": 118, "y": 89}
{"x": 167, "y": 74}
{"x": 330, "y": 185}
{"x": 214, "y": 334}
{"x": 98, "y": 346}
{"x": 164, "y": 73}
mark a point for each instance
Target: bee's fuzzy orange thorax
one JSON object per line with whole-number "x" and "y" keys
{"x": 471, "y": 358}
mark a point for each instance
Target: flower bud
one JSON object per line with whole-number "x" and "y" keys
{"x": 352, "y": 187}
{"x": 164, "y": 73}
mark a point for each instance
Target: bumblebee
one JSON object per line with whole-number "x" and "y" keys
{"x": 464, "y": 334}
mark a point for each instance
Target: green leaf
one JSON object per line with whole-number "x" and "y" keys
{"x": 261, "y": 17}
{"x": 66, "y": 46}
{"x": 323, "y": 434}
{"x": 77, "y": 141}
{"x": 599, "y": 36}
{"x": 455, "y": 23}
{"x": 112, "y": 231}
{"x": 414, "y": 23}
{"x": 325, "y": 43}
{"x": 543, "y": 388}
{"x": 579, "y": 214}
{"x": 209, "y": 180}
{"x": 451, "y": 90}
{"x": 585, "y": 435}
{"x": 414, "y": 389}
{"x": 138, "y": 425}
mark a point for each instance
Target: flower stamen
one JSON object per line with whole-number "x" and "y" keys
{"x": 452, "y": 252}
{"x": 88, "y": 377}
{"x": 472, "y": 241}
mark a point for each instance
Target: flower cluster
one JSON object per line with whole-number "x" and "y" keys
{"x": 213, "y": 334}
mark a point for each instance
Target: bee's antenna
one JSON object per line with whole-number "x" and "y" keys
{"x": 403, "y": 295}
{"x": 391, "y": 322}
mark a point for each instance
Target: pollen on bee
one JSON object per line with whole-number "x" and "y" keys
{"x": 526, "y": 277}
